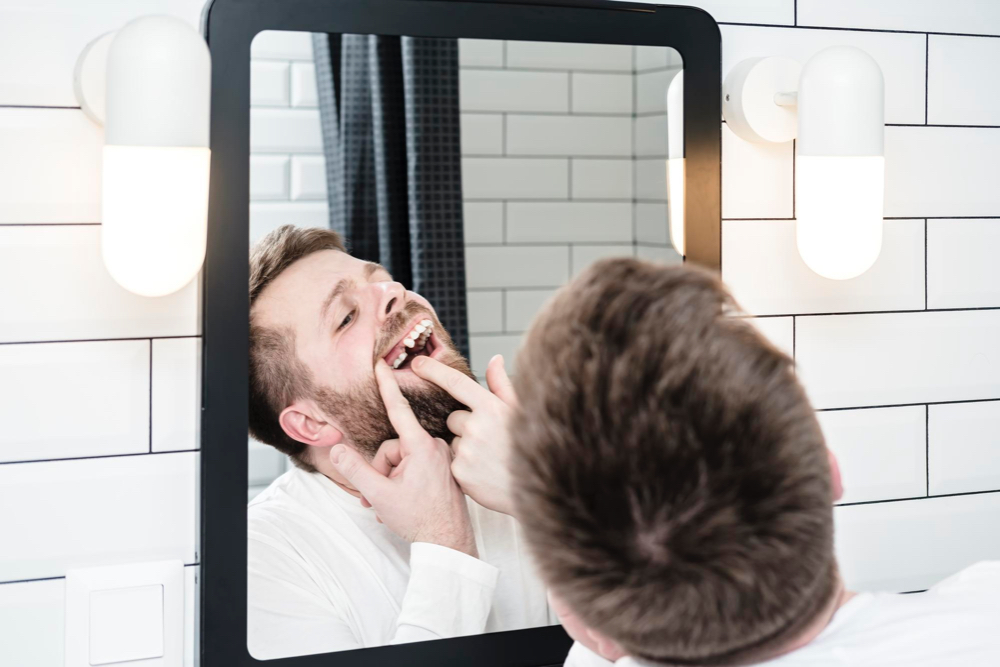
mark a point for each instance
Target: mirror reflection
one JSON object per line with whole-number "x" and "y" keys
{"x": 409, "y": 198}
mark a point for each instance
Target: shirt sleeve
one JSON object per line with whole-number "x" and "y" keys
{"x": 449, "y": 595}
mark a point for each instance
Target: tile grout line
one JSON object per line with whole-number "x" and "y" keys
{"x": 927, "y": 445}
{"x": 926, "y": 267}
{"x": 887, "y": 31}
{"x": 150, "y": 395}
{"x": 927, "y": 74}
{"x": 965, "y": 401}
{"x": 96, "y": 340}
{"x": 912, "y": 498}
{"x": 100, "y": 456}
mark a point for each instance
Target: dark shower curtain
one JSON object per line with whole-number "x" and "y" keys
{"x": 390, "y": 119}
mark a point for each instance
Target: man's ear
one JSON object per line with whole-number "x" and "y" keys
{"x": 835, "y": 480}
{"x": 304, "y": 422}
{"x": 608, "y": 649}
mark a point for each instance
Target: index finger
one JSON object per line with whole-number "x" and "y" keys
{"x": 461, "y": 387}
{"x": 398, "y": 409}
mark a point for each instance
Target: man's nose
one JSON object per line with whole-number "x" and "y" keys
{"x": 392, "y": 298}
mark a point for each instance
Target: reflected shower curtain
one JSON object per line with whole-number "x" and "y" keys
{"x": 390, "y": 120}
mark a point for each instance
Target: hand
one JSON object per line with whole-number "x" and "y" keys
{"x": 482, "y": 445}
{"x": 419, "y": 500}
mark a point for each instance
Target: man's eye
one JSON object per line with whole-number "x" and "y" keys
{"x": 347, "y": 320}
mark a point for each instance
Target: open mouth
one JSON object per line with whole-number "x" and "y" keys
{"x": 418, "y": 341}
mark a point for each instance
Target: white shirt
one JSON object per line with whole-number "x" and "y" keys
{"x": 324, "y": 575}
{"x": 956, "y": 622}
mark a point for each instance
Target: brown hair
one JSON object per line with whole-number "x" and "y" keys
{"x": 670, "y": 474}
{"x": 277, "y": 377}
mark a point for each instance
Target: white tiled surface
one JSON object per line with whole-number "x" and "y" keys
{"x": 779, "y": 330}
{"x": 894, "y": 358}
{"x": 65, "y": 293}
{"x": 480, "y": 53}
{"x": 269, "y": 177}
{"x": 267, "y": 216}
{"x": 522, "y": 306}
{"x": 899, "y": 56}
{"x": 304, "y": 85}
{"x": 602, "y": 179}
{"x": 568, "y": 135}
{"x": 531, "y": 222}
{"x": 516, "y": 266}
{"x": 651, "y": 179}
{"x": 921, "y": 179}
{"x": 651, "y": 89}
{"x": 485, "y": 312}
{"x": 756, "y": 178}
{"x": 882, "y": 452}
{"x": 176, "y": 394}
{"x": 965, "y": 447}
{"x": 483, "y": 222}
{"x": 515, "y": 178}
{"x": 601, "y": 93}
{"x": 955, "y": 81}
{"x": 270, "y": 83}
{"x": 97, "y": 511}
{"x": 51, "y": 166}
{"x": 308, "y": 177}
{"x": 285, "y": 130}
{"x": 96, "y": 399}
{"x": 32, "y": 616}
{"x": 895, "y": 282}
{"x": 963, "y": 16}
{"x": 963, "y": 270}
{"x": 482, "y": 134}
{"x": 585, "y": 255}
{"x": 40, "y": 41}
{"x": 912, "y": 545}
{"x": 482, "y": 349}
{"x": 499, "y": 90}
{"x": 651, "y": 223}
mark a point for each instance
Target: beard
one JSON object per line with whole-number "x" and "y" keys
{"x": 362, "y": 416}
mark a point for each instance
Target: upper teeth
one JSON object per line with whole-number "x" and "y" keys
{"x": 418, "y": 335}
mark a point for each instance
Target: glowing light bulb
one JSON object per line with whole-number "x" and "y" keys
{"x": 675, "y": 161}
{"x": 839, "y": 167}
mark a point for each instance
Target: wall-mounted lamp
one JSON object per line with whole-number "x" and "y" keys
{"x": 835, "y": 106}
{"x": 675, "y": 161}
{"x": 149, "y": 85}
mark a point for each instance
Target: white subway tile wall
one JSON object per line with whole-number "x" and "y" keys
{"x": 56, "y": 290}
{"x": 902, "y": 361}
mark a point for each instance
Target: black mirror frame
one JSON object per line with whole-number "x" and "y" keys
{"x": 230, "y": 26}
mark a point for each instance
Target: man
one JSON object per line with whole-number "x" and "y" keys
{"x": 676, "y": 492}
{"x": 325, "y": 571}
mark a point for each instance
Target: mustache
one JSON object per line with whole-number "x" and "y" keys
{"x": 395, "y": 327}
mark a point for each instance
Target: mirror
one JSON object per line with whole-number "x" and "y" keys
{"x": 483, "y": 174}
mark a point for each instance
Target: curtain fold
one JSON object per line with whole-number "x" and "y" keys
{"x": 391, "y": 134}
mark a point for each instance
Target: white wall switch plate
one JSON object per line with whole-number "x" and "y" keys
{"x": 129, "y": 615}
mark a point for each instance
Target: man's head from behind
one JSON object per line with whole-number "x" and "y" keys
{"x": 319, "y": 320}
{"x": 670, "y": 474}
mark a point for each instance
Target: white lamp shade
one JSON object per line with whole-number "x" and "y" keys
{"x": 675, "y": 161}
{"x": 156, "y": 156}
{"x": 154, "y": 216}
{"x": 840, "y": 168}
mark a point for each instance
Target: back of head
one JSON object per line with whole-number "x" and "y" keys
{"x": 671, "y": 476}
